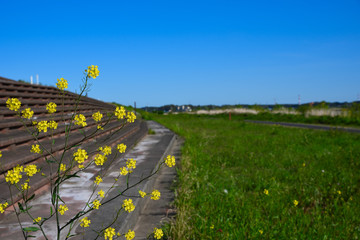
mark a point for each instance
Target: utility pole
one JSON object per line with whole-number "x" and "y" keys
{"x": 31, "y": 79}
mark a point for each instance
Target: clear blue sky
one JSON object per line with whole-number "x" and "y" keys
{"x": 188, "y": 52}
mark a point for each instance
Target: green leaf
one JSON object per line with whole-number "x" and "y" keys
{"x": 30, "y": 198}
{"x": 51, "y": 211}
{"x": 53, "y": 141}
{"x": 30, "y": 236}
{"x": 31, "y": 229}
{"x": 21, "y": 207}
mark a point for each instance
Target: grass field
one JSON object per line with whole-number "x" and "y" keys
{"x": 240, "y": 180}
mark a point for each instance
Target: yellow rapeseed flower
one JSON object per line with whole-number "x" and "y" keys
{"x": 25, "y": 186}
{"x": 3, "y": 206}
{"x": 120, "y": 112}
{"x": 106, "y": 150}
{"x": 100, "y": 159}
{"x": 121, "y": 148}
{"x": 266, "y": 192}
{"x": 92, "y": 71}
{"x": 13, "y": 176}
{"x": 80, "y": 156}
{"x": 339, "y": 192}
{"x": 123, "y": 171}
{"x": 130, "y": 235}
{"x": 155, "y": 195}
{"x": 42, "y": 126}
{"x": 128, "y": 205}
{"x": 27, "y": 113}
{"x": 62, "y": 209}
{"x": 52, "y": 124}
{"x": 158, "y": 233}
{"x": 131, "y": 164}
{"x": 261, "y": 231}
{"x": 109, "y": 233}
{"x": 85, "y": 222}
{"x": 62, "y": 84}
{"x": 13, "y": 104}
{"x": 35, "y": 148}
{"x": 62, "y": 167}
{"x": 37, "y": 220}
{"x": 31, "y": 170}
{"x": 130, "y": 116}
{"x": 97, "y": 116}
{"x": 142, "y": 194}
{"x": 170, "y": 161}
{"x": 101, "y": 193}
{"x": 96, "y": 204}
{"x": 81, "y": 166}
{"x": 80, "y": 120}
{"x": 295, "y": 202}
{"x": 98, "y": 180}
{"x": 51, "y": 107}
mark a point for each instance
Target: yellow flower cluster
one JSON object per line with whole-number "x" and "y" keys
{"x": 80, "y": 120}
{"x": 62, "y": 167}
{"x": 100, "y": 159}
{"x": 92, "y": 71}
{"x": 27, "y": 113}
{"x": 98, "y": 180}
{"x": 42, "y": 126}
{"x": 109, "y": 233}
{"x": 121, "y": 148}
{"x": 96, "y": 204}
{"x": 123, "y": 171}
{"x": 131, "y": 164}
{"x": 158, "y": 233}
{"x": 31, "y": 170}
{"x": 155, "y": 195}
{"x": 51, "y": 107}
{"x": 130, "y": 235}
{"x": 105, "y": 150}
{"x": 128, "y": 205}
{"x": 62, "y": 209}
{"x": 97, "y": 116}
{"x": 13, "y": 176}
{"x": 85, "y": 222}
{"x": 266, "y": 192}
{"x": 0, "y": 154}
{"x": 142, "y": 194}
{"x": 101, "y": 193}
{"x": 62, "y": 84}
{"x": 296, "y": 203}
{"x": 80, "y": 156}
{"x": 131, "y": 117}
{"x": 170, "y": 161}
{"x": 13, "y": 104}
{"x": 25, "y": 186}
{"x": 37, "y": 220}
{"x": 52, "y": 124}
{"x": 35, "y": 148}
{"x": 120, "y": 112}
{"x": 3, "y": 206}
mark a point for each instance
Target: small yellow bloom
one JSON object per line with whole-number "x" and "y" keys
{"x": 101, "y": 193}
{"x": 339, "y": 192}
{"x": 158, "y": 233}
{"x": 121, "y": 148}
{"x": 80, "y": 120}
{"x": 85, "y": 222}
{"x": 3, "y": 206}
{"x": 97, "y": 116}
{"x": 130, "y": 117}
{"x": 13, "y": 104}
{"x": 109, "y": 233}
{"x": 155, "y": 195}
{"x": 98, "y": 180}
{"x": 42, "y": 126}
{"x": 170, "y": 161}
{"x": 25, "y": 186}
{"x": 131, "y": 164}
{"x": 120, "y": 112}
{"x": 13, "y": 176}
{"x": 27, "y": 113}
{"x": 130, "y": 235}
{"x": 261, "y": 231}
{"x": 100, "y": 159}
{"x": 62, "y": 167}
{"x": 52, "y": 124}
{"x": 304, "y": 164}
{"x": 51, "y": 107}
{"x": 81, "y": 166}
{"x": 296, "y": 203}
{"x": 128, "y": 205}
{"x": 142, "y": 194}
{"x": 0, "y": 154}
{"x": 106, "y": 150}
{"x": 31, "y": 170}
{"x": 35, "y": 148}
{"x": 37, "y": 220}
{"x": 92, "y": 71}
{"x": 123, "y": 171}
{"x": 212, "y": 226}
{"x": 62, "y": 84}
{"x": 80, "y": 156}
{"x": 266, "y": 192}
{"x": 62, "y": 209}
{"x": 96, "y": 204}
